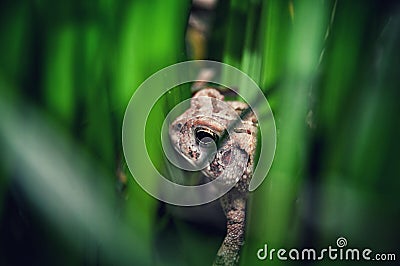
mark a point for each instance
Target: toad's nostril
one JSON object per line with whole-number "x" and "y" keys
{"x": 178, "y": 126}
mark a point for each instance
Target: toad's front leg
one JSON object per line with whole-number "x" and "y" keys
{"x": 234, "y": 206}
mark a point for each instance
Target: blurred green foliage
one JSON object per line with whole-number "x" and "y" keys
{"x": 74, "y": 66}
{"x": 68, "y": 69}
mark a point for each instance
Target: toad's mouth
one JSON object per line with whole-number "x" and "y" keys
{"x": 196, "y": 158}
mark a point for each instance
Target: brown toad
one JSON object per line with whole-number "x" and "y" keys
{"x": 211, "y": 119}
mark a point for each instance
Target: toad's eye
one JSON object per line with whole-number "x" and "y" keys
{"x": 205, "y": 135}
